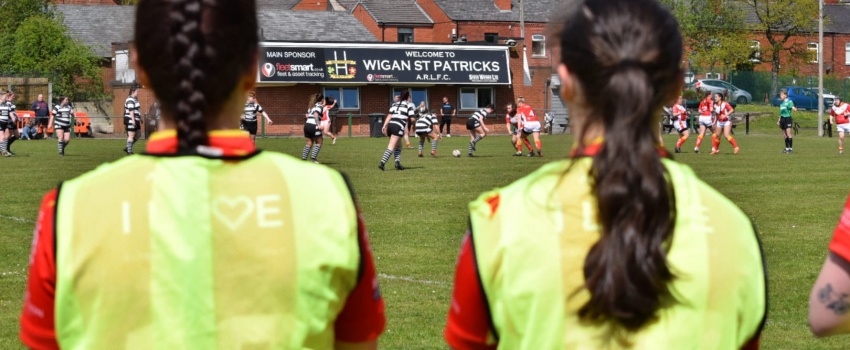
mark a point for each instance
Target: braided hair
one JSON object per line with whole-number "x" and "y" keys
{"x": 203, "y": 39}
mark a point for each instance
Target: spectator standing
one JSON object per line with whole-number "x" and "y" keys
{"x": 618, "y": 258}
{"x": 42, "y": 112}
{"x": 447, "y": 111}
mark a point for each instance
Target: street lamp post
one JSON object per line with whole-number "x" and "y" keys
{"x": 820, "y": 68}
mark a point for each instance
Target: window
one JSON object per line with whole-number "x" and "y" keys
{"x": 491, "y": 37}
{"x": 813, "y": 49}
{"x": 347, "y": 97}
{"x": 405, "y": 35}
{"x": 419, "y": 94}
{"x": 755, "y": 51}
{"x": 847, "y": 54}
{"x": 475, "y": 98}
{"x": 538, "y": 45}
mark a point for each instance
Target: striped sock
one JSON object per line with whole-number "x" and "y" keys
{"x": 316, "y": 149}
{"x": 421, "y": 145}
{"x": 61, "y": 147}
{"x": 471, "y": 145}
{"x": 305, "y": 152}
{"x": 3, "y": 147}
{"x": 386, "y": 157}
{"x": 129, "y": 146}
{"x": 397, "y": 153}
{"x": 477, "y": 138}
{"x": 433, "y": 145}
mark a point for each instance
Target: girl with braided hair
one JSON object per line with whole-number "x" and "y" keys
{"x": 610, "y": 263}
{"x": 313, "y": 129}
{"x": 215, "y": 244}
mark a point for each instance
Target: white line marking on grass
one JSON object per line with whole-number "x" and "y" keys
{"x": 17, "y": 219}
{"x": 410, "y": 279}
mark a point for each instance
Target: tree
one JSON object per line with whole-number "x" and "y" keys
{"x": 713, "y": 32}
{"x": 34, "y": 41}
{"x": 779, "y": 21}
{"x": 42, "y": 45}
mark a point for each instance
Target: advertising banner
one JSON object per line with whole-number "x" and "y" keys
{"x": 383, "y": 64}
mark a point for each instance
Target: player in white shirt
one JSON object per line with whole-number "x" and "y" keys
{"x": 839, "y": 115}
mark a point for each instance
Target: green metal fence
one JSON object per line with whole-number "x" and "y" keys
{"x": 758, "y": 84}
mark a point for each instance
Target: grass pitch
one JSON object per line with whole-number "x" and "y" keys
{"x": 417, "y": 217}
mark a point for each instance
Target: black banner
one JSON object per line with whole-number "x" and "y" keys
{"x": 383, "y": 64}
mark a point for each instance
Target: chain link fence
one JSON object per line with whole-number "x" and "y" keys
{"x": 759, "y": 84}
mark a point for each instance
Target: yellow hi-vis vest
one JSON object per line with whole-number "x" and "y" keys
{"x": 196, "y": 253}
{"x": 530, "y": 254}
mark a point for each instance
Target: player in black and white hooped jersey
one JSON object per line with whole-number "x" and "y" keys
{"x": 132, "y": 118}
{"x": 12, "y": 133}
{"x": 312, "y": 130}
{"x": 426, "y": 128}
{"x": 249, "y": 116}
{"x": 61, "y": 121}
{"x": 395, "y": 125}
{"x": 476, "y": 127}
{"x": 5, "y": 124}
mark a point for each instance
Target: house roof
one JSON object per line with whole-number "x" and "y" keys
{"x": 312, "y": 26}
{"x": 395, "y": 11}
{"x": 99, "y": 26}
{"x": 348, "y": 4}
{"x": 486, "y": 10}
{"x": 280, "y": 4}
{"x": 838, "y": 19}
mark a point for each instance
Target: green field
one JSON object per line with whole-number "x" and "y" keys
{"x": 416, "y": 218}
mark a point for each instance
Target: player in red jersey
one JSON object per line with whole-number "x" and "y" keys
{"x": 530, "y": 125}
{"x": 706, "y": 118}
{"x": 722, "y": 111}
{"x": 512, "y": 124}
{"x": 839, "y": 115}
{"x": 680, "y": 122}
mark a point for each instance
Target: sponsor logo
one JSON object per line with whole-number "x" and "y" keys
{"x": 340, "y": 67}
{"x": 381, "y": 77}
{"x": 268, "y": 70}
{"x": 483, "y": 78}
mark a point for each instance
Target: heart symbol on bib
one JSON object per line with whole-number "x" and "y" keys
{"x": 232, "y": 211}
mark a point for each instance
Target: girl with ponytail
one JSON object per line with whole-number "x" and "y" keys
{"x": 203, "y": 241}
{"x": 312, "y": 128}
{"x": 608, "y": 261}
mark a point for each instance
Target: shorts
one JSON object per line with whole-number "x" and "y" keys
{"x": 423, "y": 134}
{"x": 6, "y": 125}
{"x": 324, "y": 123}
{"x": 681, "y": 125}
{"x": 472, "y": 124}
{"x": 63, "y": 128}
{"x": 843, "y": 127}
{"x": 722, "y": 124}
{"x": 312, "y": 131}
{"x": 131, "y": 127}
{"x": 785, "y": 123}
{"x": 249, "y": 126}
{"x": 395, "y": 129}
{"x": 705, "y": 121}
{"x": 530, "y": 127}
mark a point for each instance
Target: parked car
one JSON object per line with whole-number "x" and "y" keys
{"x": 719, "y": 86}
{"x": 804, "y": 98}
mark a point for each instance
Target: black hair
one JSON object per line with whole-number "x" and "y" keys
{"x": 626, "y": 57}
{"x": 513, "y": 109}
{"x": 314, "y": 99}
{"x": 404, "y": 95}
{"x": 490, "y": 107}
{"x": 182, "y": 45}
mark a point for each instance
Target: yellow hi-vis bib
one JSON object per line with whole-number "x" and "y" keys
{"x": 195, "y": 253}
{"x": 530, "y": 254}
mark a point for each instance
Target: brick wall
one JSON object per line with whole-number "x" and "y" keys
{"x": 834, "y": 54}
{"x": 311, "y": 5}
{"x": 367, "y": 20}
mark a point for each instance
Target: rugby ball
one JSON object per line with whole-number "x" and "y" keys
{"x": 456, "y": 153}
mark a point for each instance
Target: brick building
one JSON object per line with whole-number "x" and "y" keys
{"x": 397, "y": 23}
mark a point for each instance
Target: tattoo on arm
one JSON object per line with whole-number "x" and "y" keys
{"x": 837, "y": 302}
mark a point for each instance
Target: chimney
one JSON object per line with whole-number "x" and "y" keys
{"x": 504, "y": 5}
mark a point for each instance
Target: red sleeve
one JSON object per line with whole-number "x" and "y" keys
{"x": 468, "y": 325}
{"x": 840, "y": 244}
{"x": 362, "y": 318}
{"x": 37, "y": 326}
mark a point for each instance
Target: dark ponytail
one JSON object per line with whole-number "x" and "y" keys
{"x": 625, "y": 55}
{"x": 182, "y": 44}
{"x": 404, "y": 96}
{"x": 314, "y": 99}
